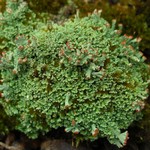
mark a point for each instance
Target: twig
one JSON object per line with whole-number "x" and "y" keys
{"x": 8, "y": 147}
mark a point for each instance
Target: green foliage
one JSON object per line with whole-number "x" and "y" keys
{"x": 82, "y": 75}
{"x": 17, "y": 20}
{"x": 6, "y": 123}
{"x": 133, "y": 14}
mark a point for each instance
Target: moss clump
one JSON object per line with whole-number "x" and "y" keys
{"x": 82, "y": 75}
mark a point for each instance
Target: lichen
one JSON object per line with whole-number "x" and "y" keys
{"x": 82, "y": 75}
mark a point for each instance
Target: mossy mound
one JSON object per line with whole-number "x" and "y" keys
{"x": 82, "y": 75}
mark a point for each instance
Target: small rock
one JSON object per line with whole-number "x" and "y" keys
{"x": 60, "y": 145}
{"x": 10, "y": 139}
{"x": 19, "y": 145}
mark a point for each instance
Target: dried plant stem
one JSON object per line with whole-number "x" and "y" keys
{"x": 8, "y": 147}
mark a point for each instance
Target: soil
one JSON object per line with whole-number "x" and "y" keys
{"x": 58, "y": 140}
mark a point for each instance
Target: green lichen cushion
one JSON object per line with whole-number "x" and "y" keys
{"x": 82, "y": 75}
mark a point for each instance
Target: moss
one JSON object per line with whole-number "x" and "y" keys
{"x": 82, "y": 75}
{"x": 7, "y": 123}
{"x": 134, "y": 15}
{"x": 49, "y": 6}
{"x": 2, "y": 5}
